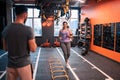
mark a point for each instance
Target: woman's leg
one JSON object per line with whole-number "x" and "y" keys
{"x": 68, "y": 46}
{"x": 64, "y": 49}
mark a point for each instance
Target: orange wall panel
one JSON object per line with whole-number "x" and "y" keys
{"x": 99, "y": 13}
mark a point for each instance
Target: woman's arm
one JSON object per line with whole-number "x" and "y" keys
{"x": 70, "y": 33}
{"x": 60, "y": 35}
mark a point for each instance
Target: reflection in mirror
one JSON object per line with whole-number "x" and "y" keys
{"x": 108, "y": 36}
{"x": 98, "y": 34}
{"x": 117, "y": 37}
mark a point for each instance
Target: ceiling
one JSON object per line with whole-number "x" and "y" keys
{"x": 47, "y": 7}
{"x": 50, "y": 7}
{"x": 72, "y": 3}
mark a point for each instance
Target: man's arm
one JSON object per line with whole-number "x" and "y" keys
{"x": 4, "y": 44}
{"x": 32, "y": 45}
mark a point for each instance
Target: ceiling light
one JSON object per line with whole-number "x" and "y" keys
{"x": 82, "y": 1}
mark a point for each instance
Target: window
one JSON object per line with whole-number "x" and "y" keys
{"x": 29, "y": 22}
{"x": 34, "y": 22}
{"x": 72, "y": 22}
{"x": 37, "y": 27}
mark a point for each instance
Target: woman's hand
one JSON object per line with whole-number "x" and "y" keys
{"x": 60, "y": 38}
{"x": 70, "y": 35}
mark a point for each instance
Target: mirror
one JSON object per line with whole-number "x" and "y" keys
{"x": 98, "y": 34}
{"x": 108, "y": 36}
{"x": 117, "y": 37}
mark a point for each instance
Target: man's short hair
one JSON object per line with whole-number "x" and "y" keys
{"x": 19, "y": 9}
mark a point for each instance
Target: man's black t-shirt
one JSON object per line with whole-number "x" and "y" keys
{"x": 16, "y": 36}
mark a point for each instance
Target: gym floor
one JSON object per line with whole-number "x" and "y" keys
{"x": 90, "y": 67}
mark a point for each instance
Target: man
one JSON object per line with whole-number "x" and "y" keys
{"x": 19, "y": 40}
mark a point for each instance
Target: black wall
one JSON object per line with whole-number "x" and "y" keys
{"x": 48, "y": 33}
{"x": 2, "y": 19}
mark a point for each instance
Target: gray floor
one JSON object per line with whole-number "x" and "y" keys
{"x": 89, "y": 67}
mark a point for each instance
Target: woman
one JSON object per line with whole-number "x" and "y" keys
{"x": 65, "y": 41}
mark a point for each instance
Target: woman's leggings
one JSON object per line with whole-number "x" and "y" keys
{"x": 66, "y": 49}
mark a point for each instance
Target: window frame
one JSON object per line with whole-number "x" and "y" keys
{"x": 63, "y": 19}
